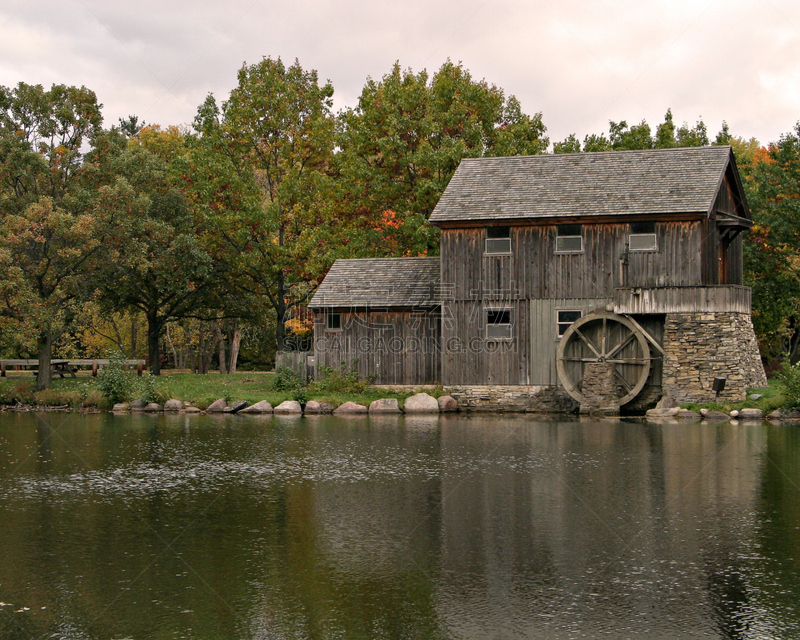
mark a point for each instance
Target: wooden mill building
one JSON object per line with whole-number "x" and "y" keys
{"x": 566, "y": 279}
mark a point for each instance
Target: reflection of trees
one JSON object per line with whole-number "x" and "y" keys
{"x": 399, "y": 528}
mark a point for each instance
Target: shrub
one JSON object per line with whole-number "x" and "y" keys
{"x": 300, "y": 394}
{"x": 152, "y": 389}
{"x": 116, "y": 381}
{"x": 341, "y": 381}
{"x": 790, "y": 382}
{"x": 286, "y": 379}
{"x": 19, "y": 391}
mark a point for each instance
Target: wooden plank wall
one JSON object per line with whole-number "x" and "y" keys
{"x": 534, "y": 270}
{"x": 392, "y": 347}
{"x": 734, "y": 298}
{"x": 468, "y": 357}
{"x": 544, "y": 333}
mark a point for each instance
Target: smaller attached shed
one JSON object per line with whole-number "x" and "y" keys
{"x": 381, "y": 316}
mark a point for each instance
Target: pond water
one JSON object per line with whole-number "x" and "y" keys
{"x": 216, "y": 527}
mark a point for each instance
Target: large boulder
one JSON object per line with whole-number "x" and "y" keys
{"x": 667, "y": 402}
{"x": 780, "y": 414}
{"x": 421, "y": 403}
{"x": 349, "y": 409}
{"x": 714, "y": 416}
{"x": 138, "y": 405}
{"x": 218, "y": 406}
{"x": 258, "y": 407}
{"x": 751, "y": 414}
{"x": 317, "y": 408}
{"x": 173, "y": 405}
{"x": 384, "y": 405}
{"x": 688, "y": 416}
{"x": 153, "y": 407}
{"x": 121, "y": 406}
{"x": 192, "y": 410}
{"x": 658, "y": 413}
{"x": 447, "y": 404}
{"x": 288, "y": 408}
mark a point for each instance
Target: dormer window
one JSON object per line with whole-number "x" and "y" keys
{"x": 569, "y": 239}
{"x": 498, "y": 241}
{"x": 643, "y": 237}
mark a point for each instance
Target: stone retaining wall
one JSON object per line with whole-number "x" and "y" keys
{"x": 536, "y": 399}
{"x": 701, "y": 346}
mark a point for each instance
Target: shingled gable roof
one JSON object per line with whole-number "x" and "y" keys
{"x": 653, "y": 181}
{"x": 379, "y": 282}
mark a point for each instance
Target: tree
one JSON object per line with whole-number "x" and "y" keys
{"x": 155, "y": 259}
{"x": 772, "y": 250}
{"x": 639, "y": 136}
{"x": 48, "y": 239}
{"x": 262, "y": 171}
{"x": 404, "y": 140}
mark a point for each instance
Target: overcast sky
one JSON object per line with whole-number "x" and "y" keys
{"x": 580, "y": 62}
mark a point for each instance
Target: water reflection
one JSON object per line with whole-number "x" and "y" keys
{"x": 396, "y": 527}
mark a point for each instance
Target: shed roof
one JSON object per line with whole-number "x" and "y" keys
{"x": 379, "y": 282}
{"x": 653, "y": 181}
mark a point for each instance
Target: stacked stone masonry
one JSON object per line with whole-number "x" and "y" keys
{"x": 701, "y": 346}
{"x": 535, "y": 399}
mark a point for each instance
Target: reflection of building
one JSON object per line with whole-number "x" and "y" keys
{"x": 604, "y": 528}
{"x": 557, "y": 270}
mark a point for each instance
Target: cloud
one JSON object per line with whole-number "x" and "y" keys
{"x": 580, "y": 64}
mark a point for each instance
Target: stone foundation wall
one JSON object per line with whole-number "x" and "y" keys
{"x": 701, "y": 346}
{"x": 535, "y": 399}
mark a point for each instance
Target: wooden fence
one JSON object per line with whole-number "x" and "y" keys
{"x": 297, "y": 361}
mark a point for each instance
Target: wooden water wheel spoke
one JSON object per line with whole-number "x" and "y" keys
{"x": 588, "y": 342}
{"x": 604, "y": 337}
{"x": 621, "y": 345}
{"x": 623, "y": 380}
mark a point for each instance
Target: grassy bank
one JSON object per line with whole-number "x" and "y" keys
{"x": 202, "y": 390}
{"x": 772, "y": 399}
{"x": 199, "y": 390}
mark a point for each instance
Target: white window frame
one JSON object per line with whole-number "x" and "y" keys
{"x": 643, "y": 235}
{"x": 561, "y": 238}
{"x": 328, "y": 317}
{"x": 506, "y": 328}
{"x": 505, "y": 243}
{"x": 559, "y": 334}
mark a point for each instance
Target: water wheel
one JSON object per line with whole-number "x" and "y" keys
{"x": 602, "y": 336}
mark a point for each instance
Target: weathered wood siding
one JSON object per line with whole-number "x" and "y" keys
{"x": 469, "y": 357}
{"x": 535, "y": 270}
{"x": 731, "y": 270}
{"x": 391, "y": 347}
{"x": 544, "y": 333}
{"x": 719, "y": 298}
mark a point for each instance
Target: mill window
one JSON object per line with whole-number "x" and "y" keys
{"x": 334, "y": 321}
{"x": 498, "y": 241}
{"x": 569, "y": 239}
{"x": 565, "y": 318}
{"x": 643, "y": 237}
{"x": 498, "y": 324}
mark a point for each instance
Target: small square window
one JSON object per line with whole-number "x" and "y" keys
{"x": 498, "y": 324}
{"x": 498, "y": 241}
{"x": 642, "y": 242}
{"x": 334, "y": 321}
{"x": 565, "y": 318}
{"x": 569, "y": 239}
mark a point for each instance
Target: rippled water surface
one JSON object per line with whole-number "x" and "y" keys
{"x": 215, "y": 527}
